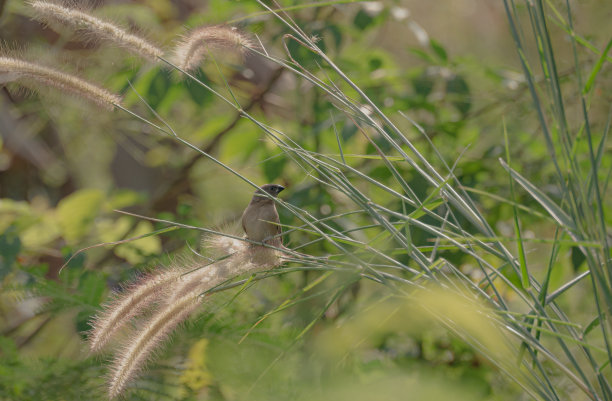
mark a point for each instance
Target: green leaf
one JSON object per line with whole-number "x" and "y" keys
{"x": 124, "y": 198}
{"x": 92, "y": 288}
{"x": 10, "y": 245}
{"x": 137, "y": 251}
{"x": 83, "y": 322}
{"x": 439, "y": 50}
{"x": 375, "y": 63}
{"x": 197, "y": 92}
{"x": 551, "y": 207}
{"x": 423, "y": 84}
{"x": 517, "y": 227}
{"x": 77, "y": 212}
{"x": 594, "y": 323}
{"x": 158, "y": 88}
{"x": 459, "y": 92}
{"x": 578, "y": 258}
{"x": 597, "y": 68}
{"x": 420, "y": 212}
{"x": 422, "y": 54}
{"x": 362, "y": 20}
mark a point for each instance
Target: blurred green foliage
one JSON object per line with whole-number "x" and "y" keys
{"x": 81, "y": 164}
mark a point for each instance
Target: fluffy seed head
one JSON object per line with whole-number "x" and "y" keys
{"x": 133, "y": 301}
{"x": 170, "y": 297}
{"x": 182, "y": 298}
{"x": 195, "y": 46}
{"x": 132, "y": 358}
{"x": 218, "y": 246}
{"x": 13, "y": 69}
{"x": 243, "y": 258}
{"x": 98, "y": 28}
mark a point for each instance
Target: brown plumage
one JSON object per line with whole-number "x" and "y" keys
{"x": 260, "y": 219}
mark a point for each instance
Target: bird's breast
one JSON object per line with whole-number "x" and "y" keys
{"x": 256, "y": 221}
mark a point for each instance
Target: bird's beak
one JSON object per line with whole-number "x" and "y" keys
{"x": 281, "y": 188}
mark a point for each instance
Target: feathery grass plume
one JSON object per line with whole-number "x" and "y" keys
{"x": 243, "y": 258}
{"x": 25, "y": 72}
{"x": 98, "y": 28}
{"x": 131, "y": 359}
{"x": 219, "y": 246}
{"x": 183, "y": 300}
{"x": 124, "y": 307}
{"x": 195, "y": 45}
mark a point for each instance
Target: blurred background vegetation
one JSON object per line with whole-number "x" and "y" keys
{"x": 450, "y": 66}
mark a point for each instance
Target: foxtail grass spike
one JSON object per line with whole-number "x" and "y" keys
{"x": 96, "y": 27}
{"x": 195, "y": 46}
{"x": 171, "y": 297}
{"x": 132, "y": 358}
{"x": 25, "y": 72}
{"x": 134, "y": 300}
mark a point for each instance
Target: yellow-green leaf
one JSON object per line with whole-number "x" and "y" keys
{"x": 136, "y": 251}
{"x": 76, "y": 213}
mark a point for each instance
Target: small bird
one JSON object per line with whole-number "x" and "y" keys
{"x": 259, "y": 217}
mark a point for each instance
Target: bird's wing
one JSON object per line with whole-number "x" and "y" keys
{"x": 242, "y": 220}
{"x": 276, "y": 220}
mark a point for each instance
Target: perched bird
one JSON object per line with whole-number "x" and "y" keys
{"x": 259, "y": 217}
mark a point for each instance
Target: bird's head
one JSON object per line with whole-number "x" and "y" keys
{"x": 272, "y": 189}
